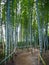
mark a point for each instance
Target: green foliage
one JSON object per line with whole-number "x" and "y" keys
{"x": 27, "y": 8}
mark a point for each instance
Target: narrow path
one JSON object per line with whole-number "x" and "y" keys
{"x": 26, "y": 58}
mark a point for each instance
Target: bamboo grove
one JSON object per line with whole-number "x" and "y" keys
{"x": 25, "y": 23}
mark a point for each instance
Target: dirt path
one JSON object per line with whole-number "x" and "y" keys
{"x": 26, "y": 58}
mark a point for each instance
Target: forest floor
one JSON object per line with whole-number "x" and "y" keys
{"x": 46, "y": 57}
{"x": 25, "y": 58}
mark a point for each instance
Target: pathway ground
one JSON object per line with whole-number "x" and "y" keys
{"x": 25, "y": 58}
